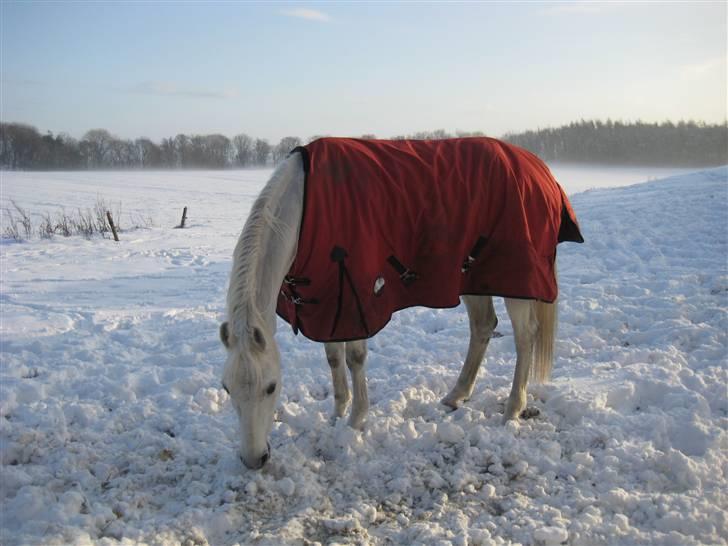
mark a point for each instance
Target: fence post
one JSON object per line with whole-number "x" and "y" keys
{"x": 184, "y": 218}
{"x": 113, "y": 227}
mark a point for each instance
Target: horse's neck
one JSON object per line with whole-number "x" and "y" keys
{"x": 280, "y": 240}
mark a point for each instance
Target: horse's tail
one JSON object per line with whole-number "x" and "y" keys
{"x": 543, "y": 351}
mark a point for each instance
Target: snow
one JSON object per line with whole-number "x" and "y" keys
{"x": 114, "y": 427}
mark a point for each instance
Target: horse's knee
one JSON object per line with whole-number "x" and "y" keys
{"x": 356, "y": 354}
{"x": 334, "y": 354}
{"x": 482, "y": 315}
{"x": 333, "y": 360}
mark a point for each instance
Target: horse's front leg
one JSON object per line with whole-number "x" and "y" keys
{"x": 482, "y": 323}
{"x": 356, "y": 355}
{"x": 336, "y": 356}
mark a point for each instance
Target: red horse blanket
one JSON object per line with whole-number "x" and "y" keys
{"x": 394, "y": 224}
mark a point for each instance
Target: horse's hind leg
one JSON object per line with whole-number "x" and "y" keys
{"x": 336, "y": 356}
{"x": 482, "y": 323}
{"x": 356, "y": 354}
{"x": 525, "y": 328}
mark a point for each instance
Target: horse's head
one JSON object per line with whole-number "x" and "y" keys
{"x": 252, "y": 378}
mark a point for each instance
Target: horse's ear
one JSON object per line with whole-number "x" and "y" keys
{"x": 258, "y": 338}
{"x": 225, "y": 334}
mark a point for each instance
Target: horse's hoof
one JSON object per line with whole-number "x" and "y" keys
{"x": 454, "y": 400}
{"x": 530, "y": 413}
{"x": 450, "y": 403}
{"x": 357, "y": 424}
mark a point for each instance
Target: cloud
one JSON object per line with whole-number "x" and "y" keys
{"x": 26, "y": 82}
{"x": 700, "y": 69}
{"x": 169, "y": 89}
{"x": 580, "y": 8}
{"x": 308, "y": 14}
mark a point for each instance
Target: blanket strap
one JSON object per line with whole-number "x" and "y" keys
{"x": 407, "y": 276}
{"x": 479, "y": 244}
{"x": 296, "y": 281}
{"x": 295, "y": 299}
{"x": 289, "y": 290}
{"x": 338, "y": 254}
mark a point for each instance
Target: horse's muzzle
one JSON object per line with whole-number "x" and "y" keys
{"x": 258, "y": 463}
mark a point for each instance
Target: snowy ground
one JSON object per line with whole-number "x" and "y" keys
{"x": 114, "y": 426}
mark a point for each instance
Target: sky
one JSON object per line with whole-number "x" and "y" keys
{"x": 270, "y": 70}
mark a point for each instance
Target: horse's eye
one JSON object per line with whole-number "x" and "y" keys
{"x": 271, "y": 389}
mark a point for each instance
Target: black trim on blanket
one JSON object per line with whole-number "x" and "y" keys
{"x": 568, "y": 231}
{"x": 306, "y": 161}
{"x": 454, "y": 305}
{"x": 338, "y": 254}
{"x": 358, "y": 302}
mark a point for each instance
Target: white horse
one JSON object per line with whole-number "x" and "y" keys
{"x": 252, "y": 375}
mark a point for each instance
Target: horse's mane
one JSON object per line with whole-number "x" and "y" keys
{"x": 249, "y": 252}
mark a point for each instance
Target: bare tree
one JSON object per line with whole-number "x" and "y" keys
{"x": 147, "y": 153}
{"x": 168, "y": 153}
{"x": 216, "y": 151}
{"x": 284, "y": 147}
{"x": 195, "y": 156}
{"x": 243, "y": 150}
{"x": 96, "y": 147}
{"x": 262, "y": 152}
{"x": 182, "y": 150}
{"x": 20, "y": 144}
{"x": 122, "y": 154}
{"x": 438, "y": 134}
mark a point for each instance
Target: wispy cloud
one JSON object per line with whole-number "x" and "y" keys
{"x": 170, "y": 89}
{"x": 581, "y": 8}
{"x": 305, "y": 13}
{"x": 699, "y": 69}
{"x": 25, "y": 82}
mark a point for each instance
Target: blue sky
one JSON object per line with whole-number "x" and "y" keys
{"x": 274, "y": 69}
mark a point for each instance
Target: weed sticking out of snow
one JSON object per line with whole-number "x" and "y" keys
{"x": 89, "y": 222}
{"x": 115, "y": 429}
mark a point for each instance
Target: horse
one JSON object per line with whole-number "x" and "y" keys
{"x": 269, "y": 276}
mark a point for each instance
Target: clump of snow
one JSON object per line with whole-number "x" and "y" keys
{"x": 114, "y": 428}
{"x": 550, "y": 536}
{"x": 450, "y": 433}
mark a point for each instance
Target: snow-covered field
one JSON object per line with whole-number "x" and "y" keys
{"x": 114, "y": 427}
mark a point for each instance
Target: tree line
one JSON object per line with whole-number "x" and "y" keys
{"x": 23, "y": 147}
{"x": 687, "y": 143}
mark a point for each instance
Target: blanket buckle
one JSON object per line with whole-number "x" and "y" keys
{"x": 296, "y": 281}
{"x": 406, "y": 275}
